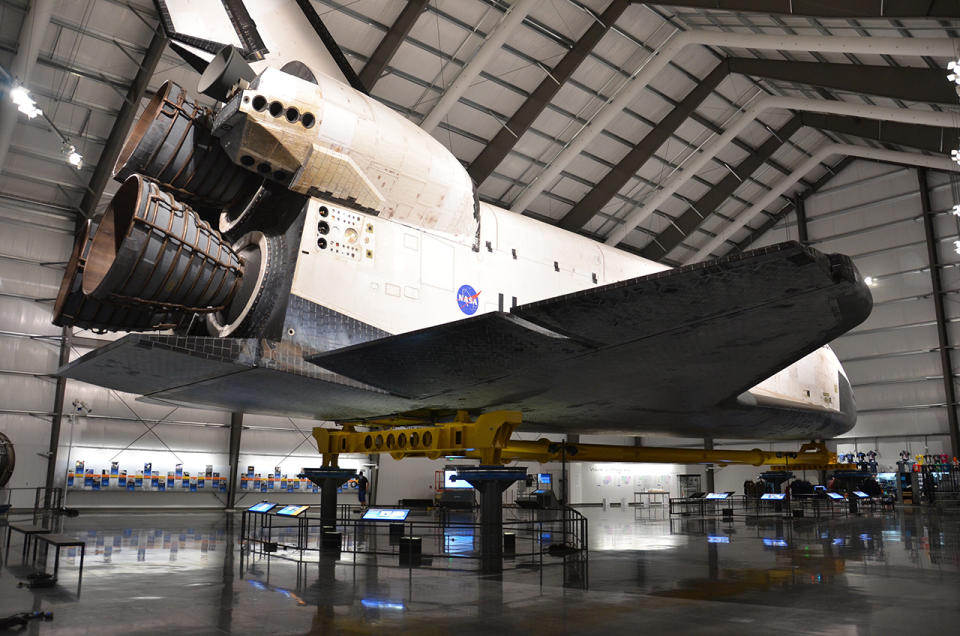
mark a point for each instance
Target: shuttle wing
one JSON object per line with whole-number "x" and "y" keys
{"x": 669, "y": 352}
{"x": 680, "y": 340}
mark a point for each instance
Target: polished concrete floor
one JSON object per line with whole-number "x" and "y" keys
{"x": 879, "y": 573}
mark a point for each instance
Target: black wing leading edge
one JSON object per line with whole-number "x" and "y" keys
{"x": 680, "y": 340}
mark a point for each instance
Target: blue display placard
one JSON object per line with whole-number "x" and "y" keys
{"x": 774, "y": 496}
{"x": 263, "y": 506}
{"x": 717, "y": 495}
{"x": 386, "y": 514}
{"x": 292, "y": 511}
{"x": 861, "y": 494}
{"x": 835, "y": 495}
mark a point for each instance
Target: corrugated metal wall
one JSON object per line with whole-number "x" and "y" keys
{"x": 873, "y": 212}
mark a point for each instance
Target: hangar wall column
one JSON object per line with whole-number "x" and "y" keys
{"x": 233, "y": 462}
{"x": 942, "y": 336}
{"x": 801, "y": 212}
{"x": 708, "y": 469}
{"x": 57, "y": 419}
{"x": 572, "y": 438}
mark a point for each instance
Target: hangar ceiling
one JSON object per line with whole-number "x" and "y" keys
{"x": 606, "y": 117}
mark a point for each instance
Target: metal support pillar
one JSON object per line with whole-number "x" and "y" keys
{"x": 125, "y": 118}
{"x": 233, "y": 463}
{"x": 572, "y": 438}
{"x": 57, "y": 421}
{"x": 711, "y": 481}
{"x": 490, "y": 482}
{"x": 799, "y": 207}
{"x": 943, "y": 339}
{"x": 328, "y": 479}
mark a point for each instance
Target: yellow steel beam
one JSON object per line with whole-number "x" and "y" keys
{"x": 543, "y": 450}
{"x": 488, "y": 439}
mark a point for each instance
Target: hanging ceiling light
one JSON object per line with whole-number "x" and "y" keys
{"x": 956, "y": 210}
{"x": 870, "y": 281}
{"x": 954, "y": 75}
{"x": 74, "y": 158}
{"x": 21, "y": 97}
{"x": 956, "y": 247}
{"x": 955, "y": 155}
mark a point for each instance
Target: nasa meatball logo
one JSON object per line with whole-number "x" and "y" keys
{"x": 468, "y": 299}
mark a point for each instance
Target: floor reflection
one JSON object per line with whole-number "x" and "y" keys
{"x": 164, "y": 573}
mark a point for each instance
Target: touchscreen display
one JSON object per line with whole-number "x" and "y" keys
{"x": 386, "y": 514}
{"x": 292, "y": 511}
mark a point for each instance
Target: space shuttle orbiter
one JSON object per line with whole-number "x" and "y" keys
{"x": 316, "y": 254}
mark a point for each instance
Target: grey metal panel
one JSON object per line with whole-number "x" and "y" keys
{"x": 922, "y": 365}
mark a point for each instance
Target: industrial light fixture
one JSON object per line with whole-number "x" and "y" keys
{"x": 954, "y": 75}
{"x": 870, "y": 281}
{"x": 956, "y": 210}
{"x": 25, "y": 104}
{"x": 956, "y": 247}
{"x": 74, "y": 158}
{"x": 955, "y": 155}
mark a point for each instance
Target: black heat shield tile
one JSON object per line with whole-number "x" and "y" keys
{"x": 426, "y": 362}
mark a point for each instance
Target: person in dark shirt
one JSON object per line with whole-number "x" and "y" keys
{"x": 362, "y": 484}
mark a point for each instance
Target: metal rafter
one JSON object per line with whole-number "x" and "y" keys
{"x": 641, "y": 152}
{"x": 388, "y": 46}
{"x": 490, "y": 47}
{"x": 499, "y": 147}
{"x": 907, "y": 83}
{"x": 828, "y": 8}
{"x": 772, "y": 220}
{"x": 875, "y": 80}
{"x": 121, "y": 126}
{"x": 690, "y": 220}
{"x": 930, "y": 138}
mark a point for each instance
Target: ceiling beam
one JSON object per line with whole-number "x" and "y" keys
{"x": 388, "y": 46}
{"x": 772, "y": 220}
{"x": 690, "y": 220}
{"x": 627, "y": 167}
{"x": 930, "y": 138}
{"x": 506, "y": 138}
{"x": 478, "y": 61}
{"x": 916, "y": 84}
{"x": 123, "y": 123}
{"x": 829, "y": 8}
{"x": 907, "y": 83}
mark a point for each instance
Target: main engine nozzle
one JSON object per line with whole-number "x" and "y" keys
{"x": 152, "y": 251}
{"x": 172, "y": 144}
{"x": 73, "y": 308}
